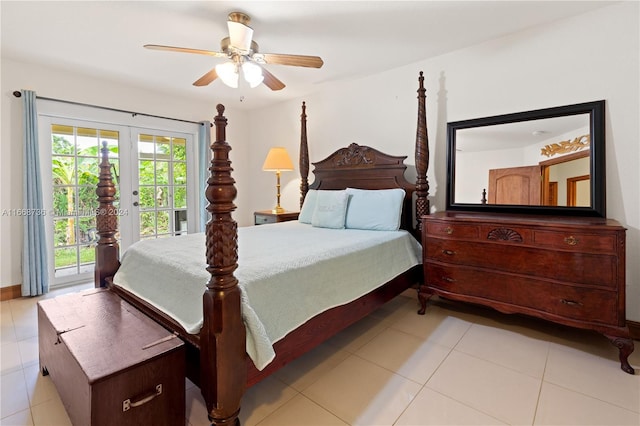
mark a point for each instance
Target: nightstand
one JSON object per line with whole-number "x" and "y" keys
{"x": 267, "y": 216}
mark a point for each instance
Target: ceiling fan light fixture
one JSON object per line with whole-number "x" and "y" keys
{"x": 252, "y": 74}
{"x": 228, "y": 73}
{"x": 241, "y": 51}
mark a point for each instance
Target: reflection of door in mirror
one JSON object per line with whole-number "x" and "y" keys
{"x": 578, "y": 194}
{"x": 515, "y": 185}
{"x": 568, "y": 177}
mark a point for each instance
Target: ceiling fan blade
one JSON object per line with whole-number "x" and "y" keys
{"x": 271, "y": 81}
{"x": 207, "y": 78}
{"x": 294, "y": 60}
{"x": 186, "y": 50}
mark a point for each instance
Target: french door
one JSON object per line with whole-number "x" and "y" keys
{"x": 155, "y": 175}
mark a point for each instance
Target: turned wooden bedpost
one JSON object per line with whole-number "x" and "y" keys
{"x": 107, "y": 249}
{"x": 222, "y": 338}
{"x": 422, "y": 157}
{"x": 304, "y": 155}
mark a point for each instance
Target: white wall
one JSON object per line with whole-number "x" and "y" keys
{"x": 62, "y": 84}
{"x": 586, "y": 58}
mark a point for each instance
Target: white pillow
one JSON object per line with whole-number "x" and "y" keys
{"x": 330, "y": 210}
{"x": 375, "y": 209}
{"x": 308, "y": 206}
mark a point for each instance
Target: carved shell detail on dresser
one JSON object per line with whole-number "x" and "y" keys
{"x": 504, "y": 234}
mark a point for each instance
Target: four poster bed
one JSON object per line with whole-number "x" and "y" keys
{"x": 217, "y": 359}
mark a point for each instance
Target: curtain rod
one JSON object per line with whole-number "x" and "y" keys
{"x": 18, "y": 94}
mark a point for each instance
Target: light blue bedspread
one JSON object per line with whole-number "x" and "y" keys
{"x": 288, "y": 273}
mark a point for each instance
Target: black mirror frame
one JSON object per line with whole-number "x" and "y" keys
{"x": 596, "y": 111}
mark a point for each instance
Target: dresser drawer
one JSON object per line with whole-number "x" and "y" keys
{"x": 576, "y": 241}
{"x": 557, "y": 265}
{"x": 267, "y": 216}
{"x": 453, "y": 230}
{"x": 579, "y": 303}
{"x": 574, "y": 302}
{"x": 466, "y": 281}
{"x": 261, "y": 219}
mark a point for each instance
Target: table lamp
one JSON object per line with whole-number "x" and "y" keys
{"x": 277, "y": 161}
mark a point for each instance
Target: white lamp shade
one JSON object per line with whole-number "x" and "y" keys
{"x": 240, "y": 35}
{"x": 228, "y": 73}
{"x": 252, "y": 74}
{"x": 277, "y": 160}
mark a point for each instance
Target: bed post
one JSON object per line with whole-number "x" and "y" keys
{"x": 422, "y": 158}
{"x": 304, "y": 155}
{"x": 107, "y": 248}
{"x": 222, "y": 338}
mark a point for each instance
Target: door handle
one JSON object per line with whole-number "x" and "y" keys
{"x": 135, "y": 203}
{"x": 135, "y": 192}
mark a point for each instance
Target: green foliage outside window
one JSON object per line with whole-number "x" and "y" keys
{"x": 162, "y": 188}
{"x": 75, "y": 176}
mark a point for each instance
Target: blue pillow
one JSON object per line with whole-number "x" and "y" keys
{"x": 308, "y": 206}
{"x": 330, "y": 210}
{"x": 374, "y": 209}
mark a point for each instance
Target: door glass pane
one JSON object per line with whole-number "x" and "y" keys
{"x": 163, "y": 222}
{"x": 179, "y": 197}
{"x": 146, "y": 172}
{"x": 147, "y": 224}
{"x": 180, "y": 149}
{"x": 162, "y": 172}
{"x": 179, "y": 173}
{"x": 162, "y": 194}
{"x": 65, "y": 261}
{"x": 147, "y": 197}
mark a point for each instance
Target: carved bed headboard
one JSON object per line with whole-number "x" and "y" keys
{"x": 359, "y": 166}
{"x": 363, "y": 167}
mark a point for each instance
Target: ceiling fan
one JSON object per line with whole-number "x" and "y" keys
{"x": 241, "y": 52}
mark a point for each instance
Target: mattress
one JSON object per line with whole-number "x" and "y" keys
{"x": 288, "y": 273}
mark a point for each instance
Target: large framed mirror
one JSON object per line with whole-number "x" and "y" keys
{"x": 546, "y": 161}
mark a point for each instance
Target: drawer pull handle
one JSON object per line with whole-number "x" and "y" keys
{"x": 448, "y": 230}
{"x": 571, "y": 240}
{"x": 571, "y": 302}
{"x": 127, "y": 404}
{"x": 448, "y": 279}
{"x": 448, "y": 252}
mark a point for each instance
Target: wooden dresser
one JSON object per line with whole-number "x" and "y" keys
{"x": 569, "y": 270}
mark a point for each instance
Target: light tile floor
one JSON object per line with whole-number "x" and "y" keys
{"x": 459, "y": 364}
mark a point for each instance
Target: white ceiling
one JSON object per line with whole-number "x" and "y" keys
{"x": 354, "y": 38}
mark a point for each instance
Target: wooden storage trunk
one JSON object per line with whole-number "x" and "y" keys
{"x": 111, "y": 364}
